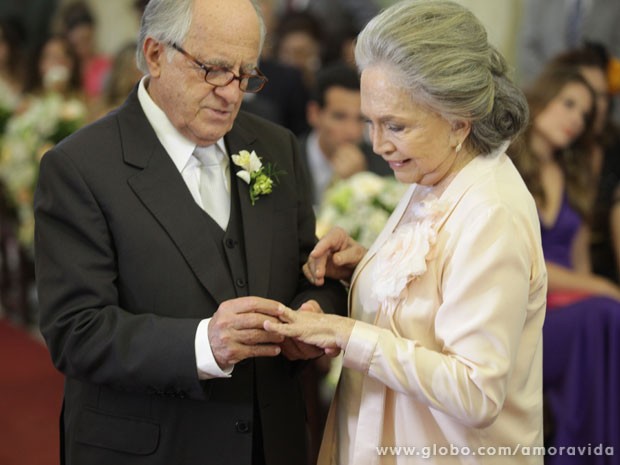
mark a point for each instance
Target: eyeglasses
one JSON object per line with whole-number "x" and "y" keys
{"x": 219, "y": 76}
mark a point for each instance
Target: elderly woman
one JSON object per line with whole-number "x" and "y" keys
{"x": 442, "y": 350}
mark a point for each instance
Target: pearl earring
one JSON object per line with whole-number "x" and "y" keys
{"x": 459, "y": 147}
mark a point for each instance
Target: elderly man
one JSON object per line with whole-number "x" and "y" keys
{"x": 155, "y": 251}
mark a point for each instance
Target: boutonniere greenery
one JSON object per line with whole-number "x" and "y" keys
{"x": 260, "y": 178}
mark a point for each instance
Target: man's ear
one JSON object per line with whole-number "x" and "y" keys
{"x": 154, "y": 53}
{"x": 313, "y": 113}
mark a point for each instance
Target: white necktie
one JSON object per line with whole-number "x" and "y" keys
{"x": 213, "y": 185}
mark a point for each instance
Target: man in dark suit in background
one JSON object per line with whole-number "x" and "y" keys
{"x": 335, "y": 147}
{"x": 148, "y": 286}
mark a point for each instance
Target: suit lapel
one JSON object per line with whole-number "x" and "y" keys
{"x": 257, "y": 218}
{"x": 163, "y": 192}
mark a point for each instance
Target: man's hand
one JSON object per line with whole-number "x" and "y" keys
{"x": 236, "y": 330}
{"x": 335, "y": 256}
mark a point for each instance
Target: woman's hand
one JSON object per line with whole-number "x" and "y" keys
{"x": 329, "y": 332}
{"x": 335, "y": 256}
{"x": 294, "y": 349}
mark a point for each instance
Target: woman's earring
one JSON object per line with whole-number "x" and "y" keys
{"x": 459, "y": 147}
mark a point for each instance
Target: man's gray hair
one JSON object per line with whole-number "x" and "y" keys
{"x": 169, "y": 21}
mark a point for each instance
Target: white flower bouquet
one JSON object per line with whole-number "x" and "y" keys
{"x": 27, "y": 137}
{"x": 360, "y": 205}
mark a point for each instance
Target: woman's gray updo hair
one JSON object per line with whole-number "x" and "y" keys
{"x": 439, "y": 52}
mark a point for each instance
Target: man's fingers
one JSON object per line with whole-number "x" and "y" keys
{"x": 263, "y": 351}
{"x": 250, "y": 321}
{"x": 243, "y": 352}
{"x": 282, "y": 329}
{"x": 251, "y": 337}
{"x": 233, "y": 352}
{"x": 291, "y": 350}
{"x": 251, "y": 304}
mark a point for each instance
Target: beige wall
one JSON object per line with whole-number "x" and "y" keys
{"x": 501, "y": 19}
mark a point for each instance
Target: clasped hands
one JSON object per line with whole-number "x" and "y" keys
{"x": 256, "y": 327}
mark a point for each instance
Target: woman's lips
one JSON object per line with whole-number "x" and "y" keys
{"x": 396, "y": 164}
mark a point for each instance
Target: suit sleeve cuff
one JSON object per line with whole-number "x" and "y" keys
{"x": 205, "y": 361}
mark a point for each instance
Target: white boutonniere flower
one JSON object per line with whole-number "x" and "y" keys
{"x": 260, "y": 178}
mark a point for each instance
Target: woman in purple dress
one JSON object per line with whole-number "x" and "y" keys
{"x": 581, "y": 348}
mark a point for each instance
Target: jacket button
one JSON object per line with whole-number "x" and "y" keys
{"x": 230, "y": 243}
{"x": 240, "y": 282}
{"x": 242, "y": 426}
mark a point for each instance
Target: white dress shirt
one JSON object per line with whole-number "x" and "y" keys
{"x": 320, "y": 170}
{"x": 180, "y": 150}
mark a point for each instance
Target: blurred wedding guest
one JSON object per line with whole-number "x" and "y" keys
{"x": 443, "y": 346}
{"x": 52, "y": 108}
{"x": 80, "y": 28}
{"x": 55, "y": 68}
{"x": 283, "y": 99}
{"x": 594, "y": 63}
{"x": 581, "y": 367}
{"x": 33, "y": 16}
{"x": 336, "y": 16}
{"x": 299, "y": 43}
{"x": 341, "y": 48}
{"x": 335, "y": 147}
{"x": 553, "y": 26}
{"x": 159, "y": 238}
{"x": 12, "y": 66}
{"x": 123, "y": 77}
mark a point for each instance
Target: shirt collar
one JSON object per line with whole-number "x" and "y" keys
{"x": 179, "y": 147}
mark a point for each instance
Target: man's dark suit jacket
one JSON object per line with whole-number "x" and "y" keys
{"x": 128, "y": 264}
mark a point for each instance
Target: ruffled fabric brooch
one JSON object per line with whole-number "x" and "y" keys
{"x": 403, "y": 257}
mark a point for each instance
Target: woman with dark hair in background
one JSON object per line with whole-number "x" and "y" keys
{"x": 581, "y": 373}
{"x": 593, "y": 62}
{"x": 55, "y": 68}
{"x": 80, "y": 27}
